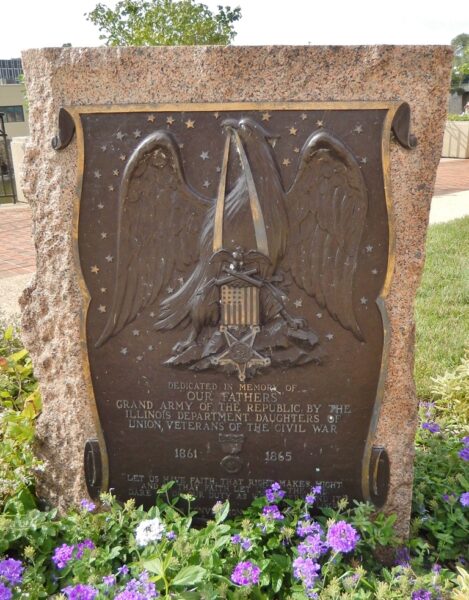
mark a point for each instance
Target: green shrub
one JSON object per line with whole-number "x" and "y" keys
{"x": 458, "y": 117}
{"x": 19, "y": 406}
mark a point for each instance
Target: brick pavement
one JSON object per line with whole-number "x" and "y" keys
{"x": 17, "y": 254}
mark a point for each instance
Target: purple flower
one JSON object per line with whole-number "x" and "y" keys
{"x": 274, "y": 493}
{"x": 465, "y": 440}
{"x": 307, "y": 570}
{"x": 109, "y": 580}
{"x": 11, "y": 570}
{"x": 124, "y": 570}
{"x": 312, "y": 546}
{"x": 403, "y": 557}
{"x": 171, "y": 536}
{"x": 310, "y": 499}
{"x": 246, "y": 544}
{"x": 272, "y": 513}
{"x": 464, "y": 499}
{"x": 307, "y": 527}
{"x": 80, "y": 592}
{"x": 431, "y": 427}
{"x": 421, "y": 595}
{"x": 436, "y": 568}
{"x": 236, "y": 539}
{"x": 464, "y": 453}
{"x": 82, "y": 546}
{"x": 5, "y": 593}
{"x": 87, "y": 505}
{"x": 245, "y": 573}
{"x": 138, "y": 589}
{"x": 342, "y": 537}
{"x": 63, "y": 555}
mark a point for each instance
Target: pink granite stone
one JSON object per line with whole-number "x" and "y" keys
{"x": 52, "y": 304}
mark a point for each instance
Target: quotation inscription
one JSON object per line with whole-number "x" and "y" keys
{"x": 236, "y": 408}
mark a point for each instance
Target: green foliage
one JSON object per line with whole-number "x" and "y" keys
{"x": 442, "y": 303}
{"x": 458, "y": 117}
{"x": 195, "y": 563}
{"x": 460, "y": 70}
{"x": 164, "y": 23}
{"x": 441, "y": 477}
{"x": 451, "y": 394}
{"x": 19, "y": 406}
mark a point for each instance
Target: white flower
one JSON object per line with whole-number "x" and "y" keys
{"x": 149, "y": 531}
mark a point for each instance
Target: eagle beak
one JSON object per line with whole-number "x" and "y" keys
{"x": 230, "y": 125}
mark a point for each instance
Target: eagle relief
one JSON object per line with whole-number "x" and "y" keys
{"x": 234, "y": 261}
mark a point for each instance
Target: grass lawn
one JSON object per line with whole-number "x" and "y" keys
{"x": 442, "y": 304}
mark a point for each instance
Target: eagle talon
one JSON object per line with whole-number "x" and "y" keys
{"x": 179, "y": 347}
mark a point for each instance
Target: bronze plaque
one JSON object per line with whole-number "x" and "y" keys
{"x": 234, "y": 261}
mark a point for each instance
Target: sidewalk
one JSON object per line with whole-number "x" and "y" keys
{"x": 17, "y": 255}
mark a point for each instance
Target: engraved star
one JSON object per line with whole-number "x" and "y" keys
{"x": 152, "y": 314}
{"x": 120, "y": 135}
{"x": 319, "y": 315}
{"x": 103, "y": 290}
{"x": 181, "y": 146}
{"x": 170, "y": 290}
{"x": 369, "y": 248}
{"x": 286, "y": 162}
{"x": 374, "y": 271}
{"x": 95, "y": 269}
{"x": 103, "y": 148}
{"x": 266, "y": 116}
{"x": 151, "y": 118}
{"x": 97, "y": 174}
{"x": 140, "y": 357}
{"x": 358, "y": 128}
{"x": 103, "y": 235}
{"x": 122, "y": 157}
{"x": 364, "y": 160}
{"x": 330, "y": 336}
{"x": 218, "y": 169}
{"x": 100, "y": 206}
{"x": 364, "y": 300}
{"x": 293, "y": 131}
{"x": 116, "y": 172}
{"x": 296, "y": 149}
{"x": 216, "y": 114}
{"x": 204, "y": 155}
{"x": 135, "y": 332}
{"x": 102, "y": 308}
{"x": 109, "y": 258}
{"x": 124, "y": 351}
{"x": 137, "y": 133}
{"x": 150, "y": 348}
{"x": 169, "y": 120}
{"x": 320, "y": 123}
{"x": 304, "y": 116}
{"x": 181, "y": 280}
{"x": 206, "y": 183}
{"x": 110, "y": 188}
{"x": 298, "y": 303}
{"x": 190, "y": 124}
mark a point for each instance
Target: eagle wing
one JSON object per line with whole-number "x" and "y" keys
{"x": 155, "y": 202}
{"x": 327, "y": 205}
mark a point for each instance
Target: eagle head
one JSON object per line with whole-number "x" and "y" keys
{"x": 249, "y": 131}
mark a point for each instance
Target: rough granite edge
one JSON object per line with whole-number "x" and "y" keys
{"x": 52, "y": 303}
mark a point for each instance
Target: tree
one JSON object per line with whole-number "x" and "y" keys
{"x": 460, "y": 70}
{"x": 164, "y": 23}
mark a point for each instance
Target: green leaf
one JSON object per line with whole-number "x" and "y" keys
{"x": 223, "y": 513}
{"x": 189, "y": 575}
{"x": 17, "y": 356}
{"x": 8, "y": 333}
{"x": 155, "y": 566}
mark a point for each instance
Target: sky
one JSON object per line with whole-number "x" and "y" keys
{"x": 42, "y": 23}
